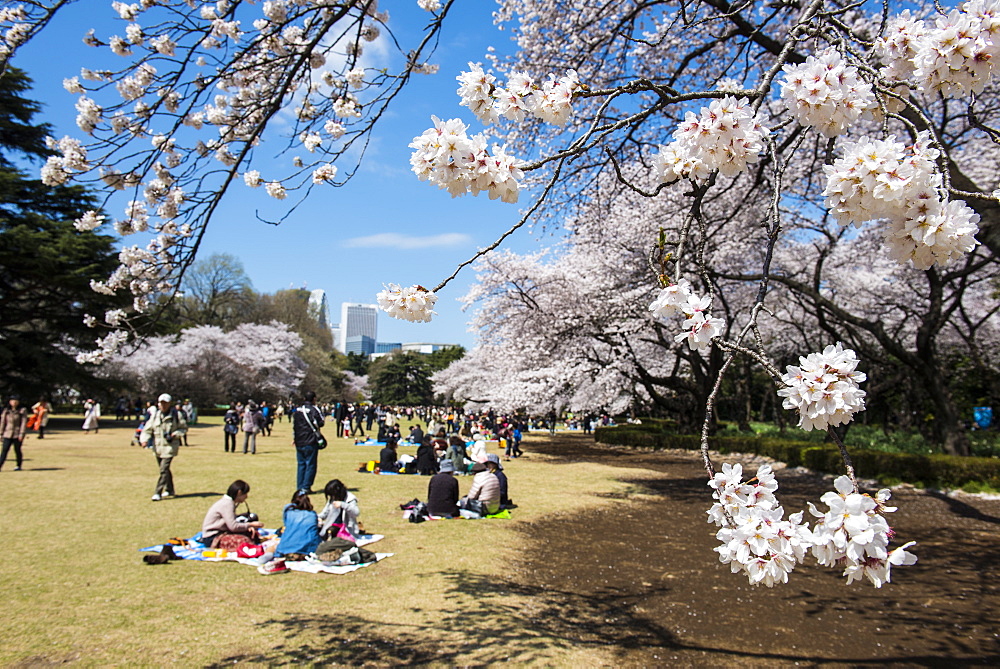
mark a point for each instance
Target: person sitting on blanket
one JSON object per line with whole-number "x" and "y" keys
{"x": 341, "y": 509}
{"x": 457, "y": 453}
{"x": 426, "y": 463}
{"x": 484, "y": 495}
{"x": 505, "y": 502}
{"x": 392, "y": 432}
{"x": 478, "y": 450}
{"x": 387, "y": 457}
{"x": 301, "y": 534}
{"x": 442, "y": 492}
{"x": 440, "y": 443}
{"x": 221, "y": 529}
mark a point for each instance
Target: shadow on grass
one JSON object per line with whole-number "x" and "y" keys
{"x": 505, "y": 621}
{"x": 197, "y": 494}
{"x": 960, "y": 508}
{"x": 493, "y": 626}
{"x": 631, "y": 582}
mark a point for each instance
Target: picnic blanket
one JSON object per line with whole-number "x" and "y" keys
{"x": 502, "y": 514}
{"x": 192, "y": 549}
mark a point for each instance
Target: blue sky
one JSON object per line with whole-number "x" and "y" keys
{"x": 384, "y": 226}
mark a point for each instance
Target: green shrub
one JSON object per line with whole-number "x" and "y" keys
{"x": 920, "y": 469}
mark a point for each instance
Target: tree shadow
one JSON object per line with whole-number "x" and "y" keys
{"x": 636, "y": 581}
{"x": 960, "y": 508}
{"x": 502, "y": 620}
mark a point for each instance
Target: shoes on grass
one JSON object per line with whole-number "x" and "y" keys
{"x": 155, "y": 497}
{"x": 165, "y": 555}
{"x": 166, "y": 495}
{"x": 17, "y": 469}
{"x": 273, "y": 567}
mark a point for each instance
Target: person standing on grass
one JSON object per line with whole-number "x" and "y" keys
{"x": 306, "y": 422}
{"x": 165, "y": 426}
{"x": 251, "y": 426}
{"x": 91, "y": 416}
{"x": 13, "y": 425}
{"x": 41, "y": 409}
{"x": 230, "y": 428}
{"x": 268, "y": 418}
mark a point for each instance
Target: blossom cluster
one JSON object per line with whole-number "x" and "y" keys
{"x": 826, "y": 93}
{"x": 550, "y": 100}
{"x": 699, "y": 327}
{"x": 726, "y": 136}
{"x": 445, "y": 155}
{"x": 759, "y": 542}
{"x": 755, "y": 537}
{"x": 413, "y": 303}
{"x": 107, "y": 346}
{"x": 824, "y": 388}
{"x": 16, "y": 21}
{"x": 954, "y": 56}
{"x": 72, "y": 159}
{"x": 853, "y": 534}
{"x": 886, "y": 179}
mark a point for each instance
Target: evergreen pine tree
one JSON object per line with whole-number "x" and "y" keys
{"x": 46, "y": 264}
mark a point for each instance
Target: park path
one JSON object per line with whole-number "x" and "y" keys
{"x": 637, "y": 578}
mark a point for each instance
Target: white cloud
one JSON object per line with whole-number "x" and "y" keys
{"x": 394, "y": 240}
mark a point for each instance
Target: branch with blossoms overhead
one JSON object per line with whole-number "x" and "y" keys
{"x": 178, "y": 125}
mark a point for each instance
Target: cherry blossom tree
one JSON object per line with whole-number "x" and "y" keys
{"x": 212, "y": 366}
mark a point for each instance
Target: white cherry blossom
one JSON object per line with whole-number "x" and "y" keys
{"x": 824, "y": 388}
{"x": 413, "y": 303}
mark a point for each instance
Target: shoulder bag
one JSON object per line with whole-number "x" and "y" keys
{"x": 321, "y": 443}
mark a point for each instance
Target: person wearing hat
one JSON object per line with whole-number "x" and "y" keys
{"x": 442, "y": 491}
{"x": 13, "y": 425}
{"x": 165, "y": 426}
{"x": 494, "y": 459}
{"x": 484, "y": 495}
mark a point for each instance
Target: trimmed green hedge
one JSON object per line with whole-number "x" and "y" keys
{"x": 939, "y": 471}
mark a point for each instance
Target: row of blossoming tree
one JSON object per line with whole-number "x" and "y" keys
{"x": 734, "y": 168}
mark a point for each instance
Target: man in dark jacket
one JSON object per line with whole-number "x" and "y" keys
{"x": 306, "y": 423}
{"x": 442, "y": 491}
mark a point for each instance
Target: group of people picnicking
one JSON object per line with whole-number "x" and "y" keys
{"x": 442, "y": 458}
{"x": 329, "y": 536}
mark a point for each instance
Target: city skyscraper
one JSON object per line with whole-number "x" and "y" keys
{"x": 358, "y": 328}
{"x": 320, "y": 307}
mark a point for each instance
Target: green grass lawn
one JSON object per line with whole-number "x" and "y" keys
{"x": 75, "y": 588}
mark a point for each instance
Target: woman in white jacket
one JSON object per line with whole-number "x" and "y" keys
{"x": 341, "y": 507}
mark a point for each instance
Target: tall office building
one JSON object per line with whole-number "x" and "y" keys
{"x": 358, "y": 328}
{"x": 319, "y": 307}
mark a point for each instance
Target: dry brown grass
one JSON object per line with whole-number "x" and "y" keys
{"x": 75, "y": 588}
